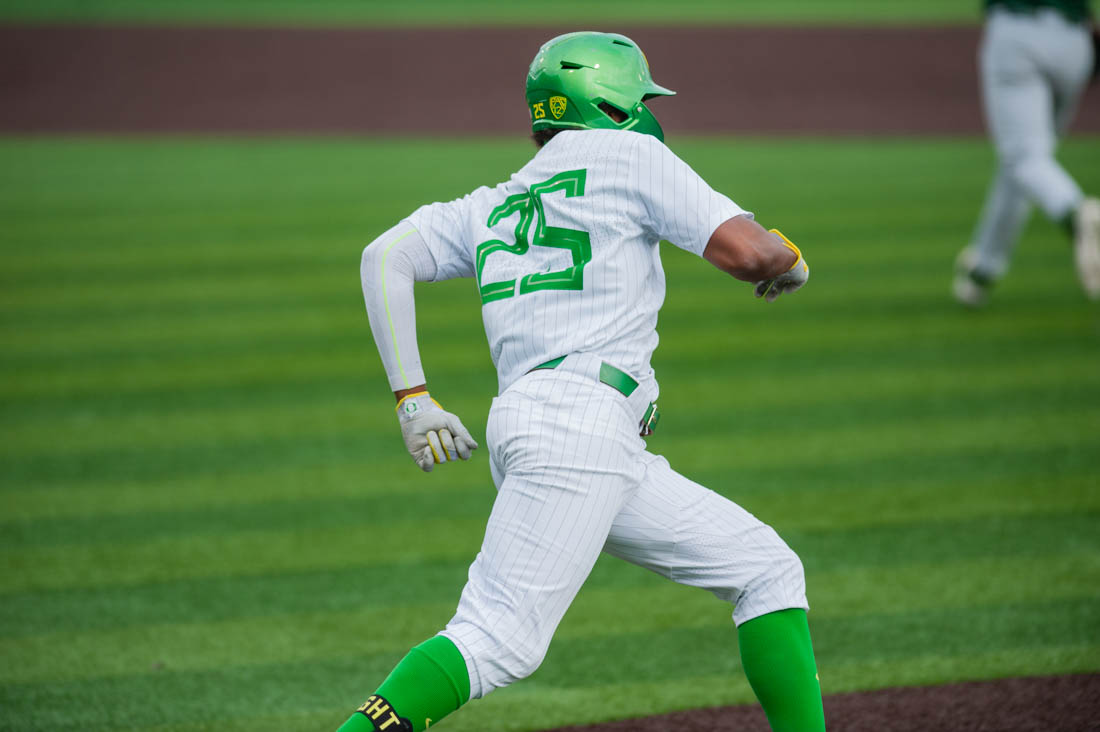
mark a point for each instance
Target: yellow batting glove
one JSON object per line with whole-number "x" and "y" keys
{"x": 790, "y": 280}
{"x": 432, "y": 434}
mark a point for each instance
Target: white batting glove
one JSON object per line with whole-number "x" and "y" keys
{"x": 432, "y": 434}
{"x": 790, "y": 280}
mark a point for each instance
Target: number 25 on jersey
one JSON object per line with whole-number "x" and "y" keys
{"x": 527, "y": 206}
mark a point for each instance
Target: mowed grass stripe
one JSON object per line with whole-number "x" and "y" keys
{"x": 251, "y": 553}
{"x": 254, "y": 334}
{"x": 941, "y": 390}
{"x": 969, "y": 476}
{"x": 182, "y": 300}
{"x": 152, "y": 359}
{"x": 314, "y": 512}
{"x": 800, "y": 507}
{"x": 143, "y": 292}
{"x": 268, "y": 438}
{"x": 240, "y": 553}
{"x": 753, "y": 351}
{"x": 40, "y": 358}
{"x": 238, "y": 486}
{"x": 907, "y": 440}
{"x": 214, "y": 599}
{"x": 231, "y": 267}
{"x": 147, "y": 376}
{"x": 655, "y": 607}
{"x": 571, "y": 664}
{"x": 249, "y": 641}
{"x": 280, "y": 374}
{"x": 951, "y": 481}
{"x": 244, "y": 184}
{"x": 160, "y": 274}
{"x": 187, "y": 326}
{"x": 90, "y": 301}
{"x": 240, "y": 264}
{"x": 834, "y": 436}
{"x": 221, "y": 598}
{"x": 847, "y": 364}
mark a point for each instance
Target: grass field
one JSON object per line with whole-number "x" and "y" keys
{"x": 492, "y": 12}
{"x": 209, "y": 522}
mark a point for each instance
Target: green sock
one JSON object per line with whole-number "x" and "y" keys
{"x": 778, "y": 659}
{"x": 428, "y": 684}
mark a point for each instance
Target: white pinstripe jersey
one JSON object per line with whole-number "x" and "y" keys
{"x": 565, "y": 252}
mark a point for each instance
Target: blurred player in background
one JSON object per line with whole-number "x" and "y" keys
{"x": 567, "y": 263}
{"x": 1035, "y": 61}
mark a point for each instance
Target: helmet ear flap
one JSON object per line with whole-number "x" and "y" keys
{"x": 644, "y": 122}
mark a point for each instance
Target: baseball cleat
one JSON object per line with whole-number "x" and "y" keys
{"x": 1086, "y": 246}
{"x": 969, "y": 287}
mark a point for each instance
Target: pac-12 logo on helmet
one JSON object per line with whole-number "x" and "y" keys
{"x": 557, "y": 106}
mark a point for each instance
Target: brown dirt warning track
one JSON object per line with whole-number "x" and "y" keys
{"x": 768, "y": 80}
{"x": 1041, "y": 704}
{"x": 58, "y": 79}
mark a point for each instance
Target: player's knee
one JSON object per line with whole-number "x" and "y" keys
{"x": 780, "y": 584}
{"x": 788, "y": 569}
{"x": 1026, "y": 168}
{"x": 512, "y": 660}
{"x": 523, "y": 661}
{"x": 498, "y": 661}
{"x": 783, "y": 568}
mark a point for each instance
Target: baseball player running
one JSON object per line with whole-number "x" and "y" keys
{"x": 1035, "y": 60}
{"x": 566, "y": 263}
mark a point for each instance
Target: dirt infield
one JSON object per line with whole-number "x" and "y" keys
{"x": 283, "y": 80}
{"x": 1043, "y": 704}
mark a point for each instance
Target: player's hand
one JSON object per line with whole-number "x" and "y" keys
{"x": 432, "y": 434}
{"x": 790, "y": 280}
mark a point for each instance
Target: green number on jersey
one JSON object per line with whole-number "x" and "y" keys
{"x": 526, "y": 206}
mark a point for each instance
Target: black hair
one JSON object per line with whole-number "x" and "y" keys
{"x": 543, "y": 136}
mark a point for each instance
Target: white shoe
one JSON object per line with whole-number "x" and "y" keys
{"x": 1086, "y": 246}
{"x": 968, "y": 291}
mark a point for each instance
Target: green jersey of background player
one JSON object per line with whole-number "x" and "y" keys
{"x": 1075, "y": 11}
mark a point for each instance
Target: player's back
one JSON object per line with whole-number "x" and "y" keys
{"x": 565, "y": 252}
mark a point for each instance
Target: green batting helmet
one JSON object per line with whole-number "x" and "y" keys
{"x": 576, "y": 77}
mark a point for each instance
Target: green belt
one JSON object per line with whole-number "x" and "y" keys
{"x": 621, "y": 382}
{"x": 617, "y": 379}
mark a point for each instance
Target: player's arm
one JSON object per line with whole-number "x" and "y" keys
{"x": 683, "y": 209}
{"x": 745, "y": 250}
{"x": 390, "y": 266}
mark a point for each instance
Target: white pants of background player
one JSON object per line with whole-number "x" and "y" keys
{"x": 1034, "y": 67}
{"x": 574, "y": 478}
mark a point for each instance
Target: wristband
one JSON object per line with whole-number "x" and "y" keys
{"x": 789, "y": 244}
{"x": 409, "y": 396}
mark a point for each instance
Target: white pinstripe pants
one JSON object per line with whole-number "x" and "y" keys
{"x": 1034, "y": 67}
{"x": 574, "y": 478}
